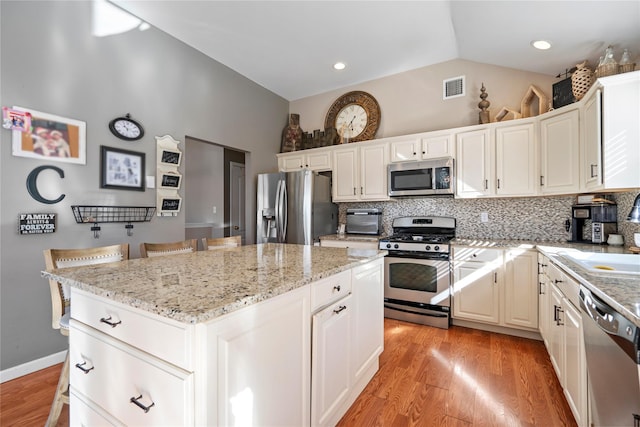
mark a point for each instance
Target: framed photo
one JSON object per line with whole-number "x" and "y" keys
{"x": 121, "y": 169}
{"x": 51, "y": 138}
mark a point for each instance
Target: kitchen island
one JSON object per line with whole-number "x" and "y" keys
{"x": 224, "y": 337}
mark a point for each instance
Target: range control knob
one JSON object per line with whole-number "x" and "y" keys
{"x": 388, "y": 245}
{"x": 436, "y": 248}
{"x": 428, "y": 248}
{"x": 629, "y": 330}
{"x": 396, "y": 246}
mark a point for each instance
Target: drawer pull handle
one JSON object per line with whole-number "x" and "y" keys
{"x": 557, "y": 281}
{"x": 336, "y": 288}
{"x": 108, "y": 321}
{"x": 82, "y": 368}
{"x": 134, "y": 400}
{"x": 341, "y": 308}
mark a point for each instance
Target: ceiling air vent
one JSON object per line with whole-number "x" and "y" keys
{"x": 453, "y": 88}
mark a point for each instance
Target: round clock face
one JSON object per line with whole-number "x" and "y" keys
{"x": 351, "y": 121}
{"x": 355, "y": 115}
{"x": 126, "y": 128}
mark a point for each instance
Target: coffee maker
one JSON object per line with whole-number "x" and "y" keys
{"x": 604, "y": 221}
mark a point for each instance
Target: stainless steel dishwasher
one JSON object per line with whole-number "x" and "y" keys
{"x": 613, "y": 362}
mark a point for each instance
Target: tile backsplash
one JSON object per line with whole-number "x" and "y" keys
{"x": 526, "y": 218}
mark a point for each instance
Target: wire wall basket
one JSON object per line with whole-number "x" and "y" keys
{"x": 104, "y": 214}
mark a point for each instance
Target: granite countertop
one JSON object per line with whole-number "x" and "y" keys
{"x": 200, "y": 286}
{"x": 621, "y": 291}
{"x": 351, "y": 237}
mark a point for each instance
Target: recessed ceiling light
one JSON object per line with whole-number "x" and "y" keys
{"x": 339, "y": 66}
{"x": 541, "y": 44}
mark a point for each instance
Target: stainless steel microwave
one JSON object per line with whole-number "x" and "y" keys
{"x": 434, "y": 177}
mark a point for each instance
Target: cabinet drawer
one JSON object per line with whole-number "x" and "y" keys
{"x": 143, "y": 330}
{"x": 331, "y": 289}
{"x": 82, "y": 413}
{"x": 116, "y": 373}
{"x": 462, "y": 253}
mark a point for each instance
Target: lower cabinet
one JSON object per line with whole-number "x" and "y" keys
{"x": 496, "y": 286}
{"x": 253, "y": 366}
{"x": 565, "y": 342}
{"x": 350, "y": 244}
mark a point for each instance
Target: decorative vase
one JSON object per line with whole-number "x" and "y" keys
{"x": 581, "y": 80}
{"x": 292, "y": 135}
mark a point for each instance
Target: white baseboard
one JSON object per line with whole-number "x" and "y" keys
{"x": 33, "y": 366}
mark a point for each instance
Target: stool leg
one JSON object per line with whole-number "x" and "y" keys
{"x": 61, "y": 397}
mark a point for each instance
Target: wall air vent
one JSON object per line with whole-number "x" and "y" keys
{"x": 453, "y": 88}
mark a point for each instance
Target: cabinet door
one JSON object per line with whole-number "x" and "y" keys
{"x": 592, "y": 143}
{"x": 330, "y": 373}
{"x": 521, "y": 290}
{"x": 263, "y": 359}
{"x": 368, "y": 318}
{"x": 345, "y": 175}
{"x": 402, "y": 151}
{"x": 290, "y": 162}
{"x": 320, "y": 161}
{"x": 543, "y": 299}
{"x": 556, "y": 332}
{"x": 373, "y": 172}
{"x": 560, "y": 153}
{"x": 516, "y": 172}
{"x": 435, "y": 146}
{"x": 473, "y": 164}
{"x": 575, "y": 375}
{"x": 476, "y": 294}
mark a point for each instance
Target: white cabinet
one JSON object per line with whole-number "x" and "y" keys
{"x": 349, "y": 244}
{"x": 348, "y": 337}
{"x": 473, "y": 163}
{"x": 498, "y": 161}
{"x": 611, "y": 133}
{"x": 476, "y": 292}
{"x": 544, "y": 291}
{"x": 359, "y": 172}
{"x": 560, "y": 152}
{"x": 566, "y": 342}
{"x": 516, "y": 165}
{"x": 423, "y": 146}
{"x": 520, "y": 289}
{"x": 330, "y": 371}
{"x": 316, "y": 160}
{"x": 495, "y": 286}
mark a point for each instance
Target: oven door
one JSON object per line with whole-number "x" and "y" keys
{"x": 417, "y": 280}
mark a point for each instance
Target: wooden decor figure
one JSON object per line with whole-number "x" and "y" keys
{"x": 525, "y": 105}
{"x": 483, "y": 105}
{"x": 292, "y": 135}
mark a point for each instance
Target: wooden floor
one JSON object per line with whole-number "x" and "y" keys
{"x": 460, "y": 377}
{"x": 427, "y": 377}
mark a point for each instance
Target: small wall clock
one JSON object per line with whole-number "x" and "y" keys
{"x": 126, "y": 128}
{"x": 355, "y": 115}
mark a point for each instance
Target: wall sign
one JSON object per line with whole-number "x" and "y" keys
{"x": 168, "y": 158}
{"x": 36, "y": 223}
{"x": 32, "y": 186}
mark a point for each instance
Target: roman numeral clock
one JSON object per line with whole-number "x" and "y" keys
{"x": 355, "y": 115}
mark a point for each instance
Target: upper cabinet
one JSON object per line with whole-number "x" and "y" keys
{"x": 498, "y": 161}
{"x": 560, "y": 152}
{"x": 360, "y": 172}
{"x": 316, "y": 160}
{"x": 611, "y": 134}
{"x": 429, "y": 145}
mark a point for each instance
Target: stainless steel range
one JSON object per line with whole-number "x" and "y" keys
{"x": 417, "y": 272}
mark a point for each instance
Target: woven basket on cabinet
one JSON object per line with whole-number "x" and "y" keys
{"x": 581, "y": 80}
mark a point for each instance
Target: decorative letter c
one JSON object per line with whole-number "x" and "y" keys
{"x": 33, "y": 188}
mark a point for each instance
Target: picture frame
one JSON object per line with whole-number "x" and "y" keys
{"x": 51, "y": 138}
{"x": 121, "y": 169}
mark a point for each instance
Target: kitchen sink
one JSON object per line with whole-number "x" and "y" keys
{"x": 605, "y": 263}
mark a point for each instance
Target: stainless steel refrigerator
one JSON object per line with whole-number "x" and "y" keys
{"x": 295, "y": 207}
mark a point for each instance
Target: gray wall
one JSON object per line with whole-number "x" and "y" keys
{"x": 50, "y": 62}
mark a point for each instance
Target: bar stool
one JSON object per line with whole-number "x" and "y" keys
{"x": 221, "y": 242}
{"x": 148, "y": 250}
{"x": 60, "y": 304}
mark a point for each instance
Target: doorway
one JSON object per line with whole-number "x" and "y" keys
{"x": 215, "y": 191}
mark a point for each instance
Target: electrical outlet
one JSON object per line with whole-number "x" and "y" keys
{"x": 215, "y": 209}
{"x": 484, "y": 217}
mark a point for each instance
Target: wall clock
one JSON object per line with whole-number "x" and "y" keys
{"x": 355, "y": 115}
{"x": 126, "y": 128}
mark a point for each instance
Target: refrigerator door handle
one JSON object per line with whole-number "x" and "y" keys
{"x": 284, "y": 204}
{"x": 278, "y": 213}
